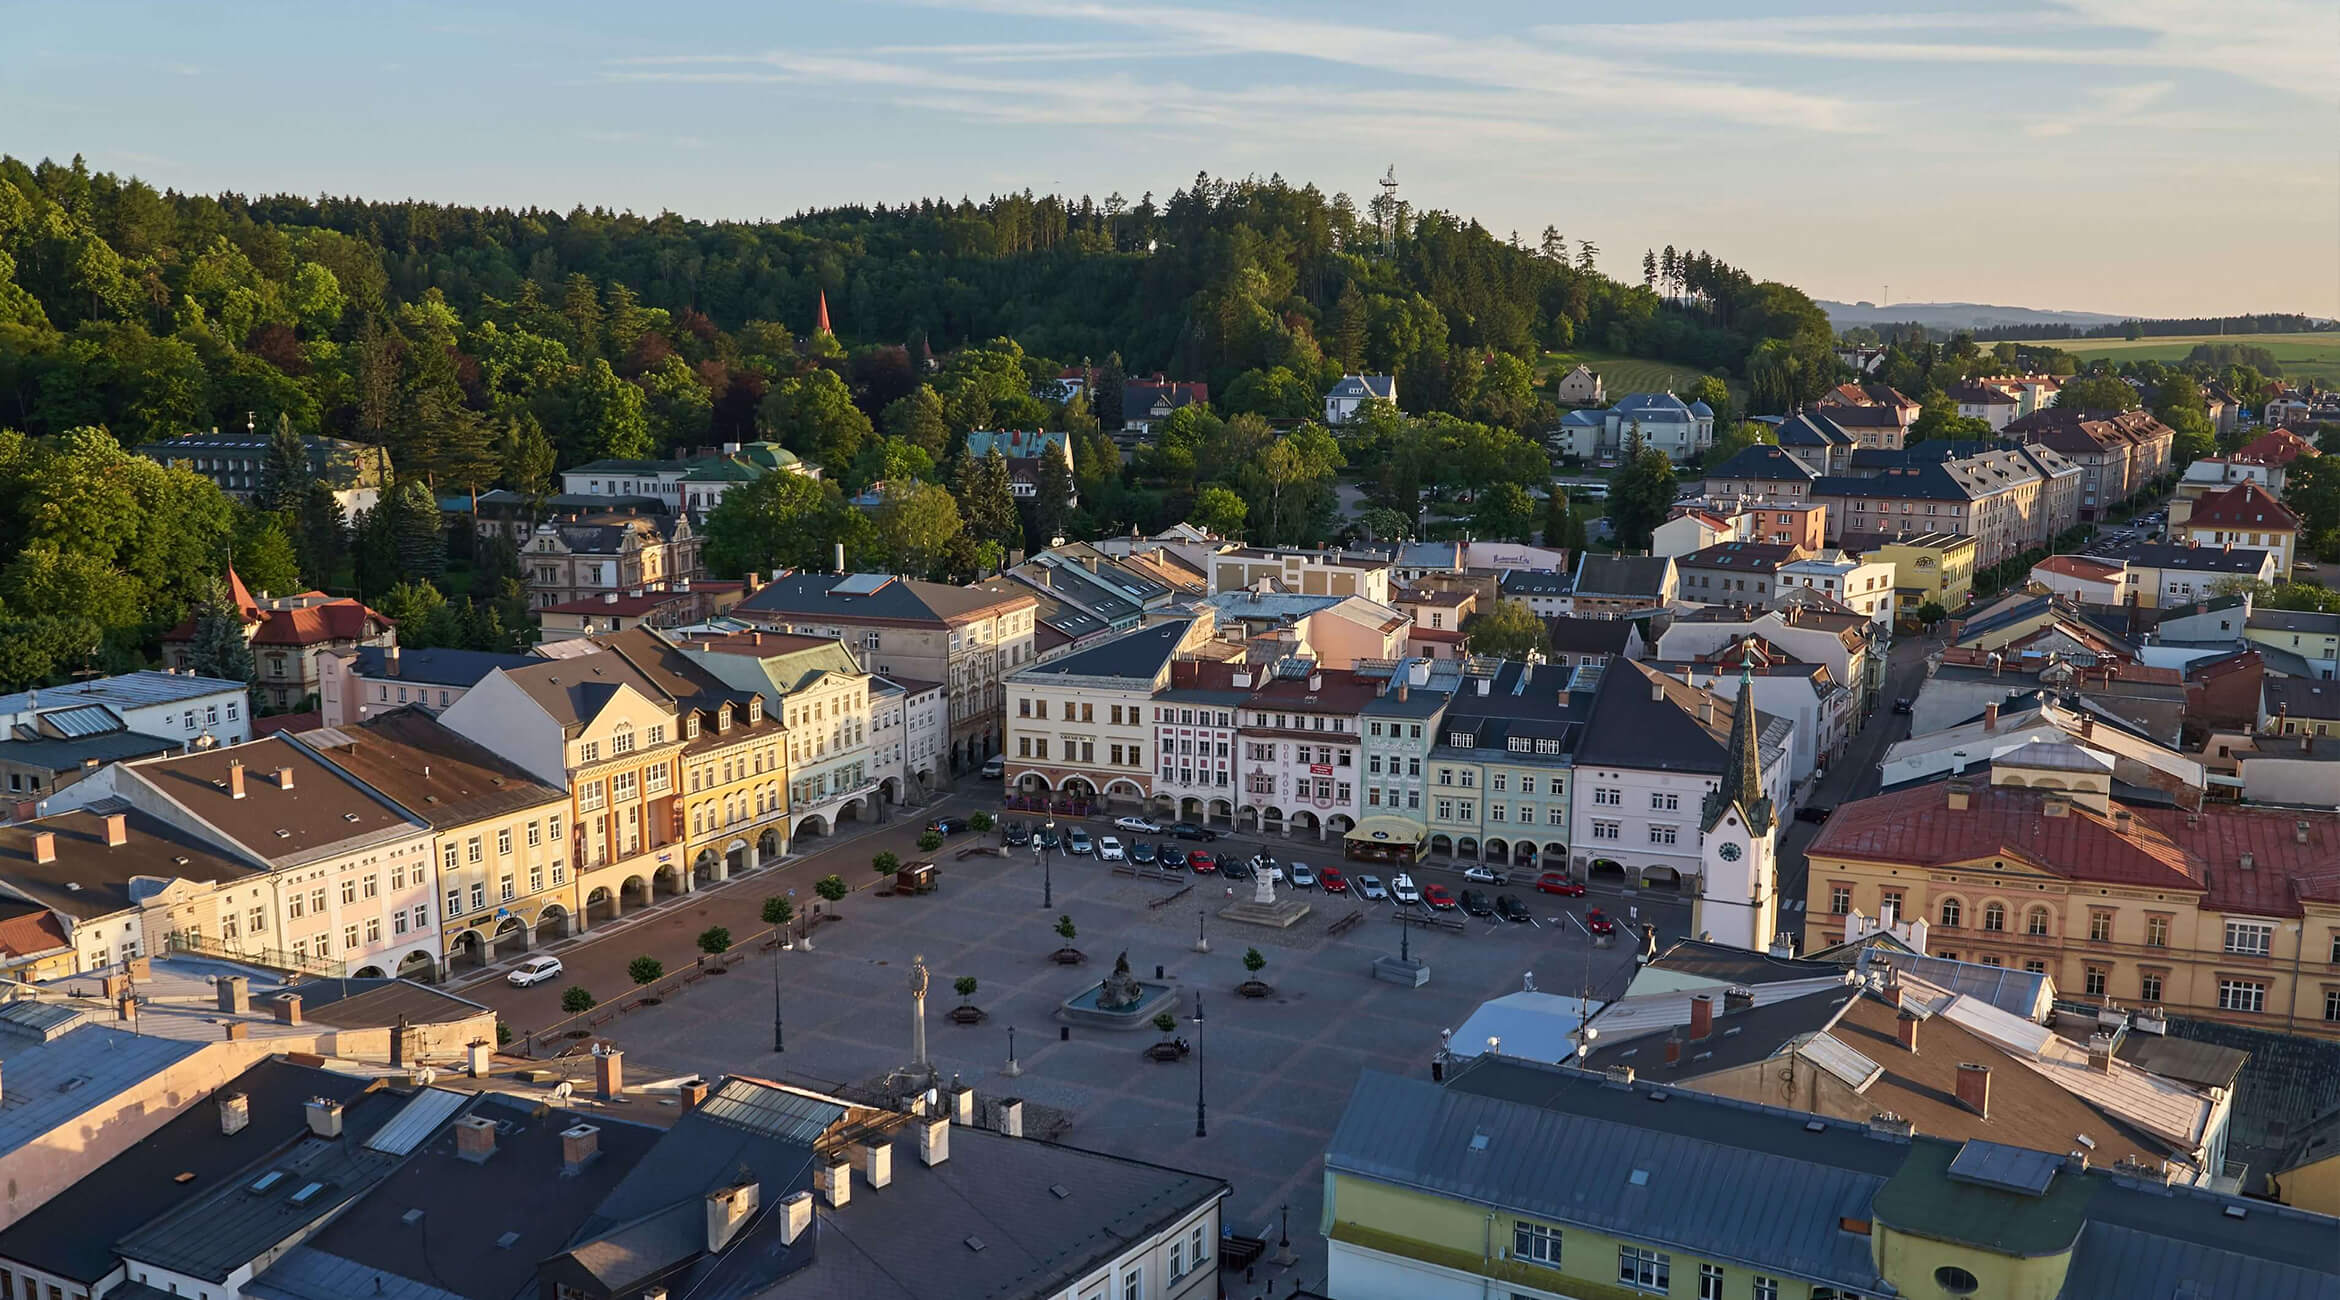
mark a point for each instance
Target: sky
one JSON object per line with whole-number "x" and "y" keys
{"x": 2149, "y": 157}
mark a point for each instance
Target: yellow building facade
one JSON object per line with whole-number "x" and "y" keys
{"x": 1931, "y": 568}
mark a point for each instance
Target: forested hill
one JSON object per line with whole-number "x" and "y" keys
{"x": 152, "y": 312}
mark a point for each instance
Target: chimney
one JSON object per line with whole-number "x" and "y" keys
{"x": 44, "y": 846}
{"x": 580, "y": 1143}
{"x": 237, "y": 1031}
{"x": 1906, "y": 1026}
{"x": 833, "y": 1179}
{"x": 2100, "y": 1053}
{"x": 284, "y": 778}
{"x": 1706, "y": 708}
{"x": 840, "y": 557}
{"x": 1402, "y": 692}
{"x": 934, "y": 1140}
{"x": 1961, "y": 793}
{"x": 1011, "y": 1116}
{"x": 1673, "y": 1050}
{"x": 609, "y": 598}
{"x": 1316, "y": 683}
{"x": 692, "y": 1094}
{"x": 609, "y": 1072}
{"x": 1737, "y": 999}
{"x": 728, "y": 1210}
{"x": 324, "y": 1117}
{"x": 962, "y": 1106}
{"x": 796, "y": 1215}
{"x": 1974, "y": 1088}
{"x": 235, "y": 1111}
{"x": 475, "y": 1138}
{"x": 875, "y": 1157}
{"x": 288, "y": 1008}
{"x": 390, "y": 660}
{"x": 1990, "y": 717}
{"x": 1702, "y": 1016}
{"x": 2057, "y": 804}
{"x": 117, "y": 830}
{"x": 235, "y": 778}
{"x": 235, "y": 994}
{"x": 1657, "y": 690}
{"x": 1887, "y": 1124}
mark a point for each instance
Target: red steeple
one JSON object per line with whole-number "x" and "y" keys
{"x": 821, "y": 320}
{"x": 242, "y": 596}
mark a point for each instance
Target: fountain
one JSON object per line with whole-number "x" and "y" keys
{"x": 1119, "y": 1001}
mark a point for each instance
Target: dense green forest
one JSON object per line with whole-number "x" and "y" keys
{"x": 491, "y": 347}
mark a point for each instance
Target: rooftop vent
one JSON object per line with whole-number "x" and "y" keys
{"x": 975, "y": 1244}
{"x": 1059, "y": 1191}
{"x": 307, "y": 1194}
{"x": 269, "y": 1180}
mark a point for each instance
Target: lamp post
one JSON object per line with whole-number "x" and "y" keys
{"x": 1047, "y": 864}
{"x": 1201, "y": 1129}
{"x": 779, "y": 1032}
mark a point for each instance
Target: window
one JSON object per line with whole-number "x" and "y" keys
{"x": 2149, "y": 985}
{"x": 2250, "y": 938}
{"x": 1607, "y": 830}
{"x": 1536, "y": 1244}
{"x": 589, "y": 751}
{"x": 1994, "y": 916}
{"x": 1664, "y": 802}
{"x": 2100, "y": 927}
{"x": 2157, "y": 934}
{"x": 1839, "y": 900}
{"x": 373, "y": 887}
{"x": 349, "y": 938}
{"x": 2093, "y": 982}
{"x": 373, "y": 929}
{"x": 1133, "y": 1285}
{"x": 1889, "y": 898}
{"x": 1608, "y": 798}
{"x": 1177, "y": 1260}
{"x": 397, "y": 923}
{"x": 1194, "y": 1243}
{"x": 1951, "y": 913}
{"x": 2035, "y": 966}
{"x": 1766, "y": 1288}
{"x": 258, "y": 919}
{"x": 1661, "y": 835}
{"x": 505, "y": 888}
{"x": 1645, "y": 1270}
{"x": 1446, "y": 810}
{"x": 2242, "y": 995}
{"x": 478, "y": 895}
{"x": 1710, "y": 1282}
{"x": 474, "y": 850}
{"x": 348, "y": 892}
{"x": 503, "y": 842}
{"x": 293, "y": 906}
{"x": 2332, "y": 1004}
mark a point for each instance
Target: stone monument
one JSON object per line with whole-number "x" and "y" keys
{"x": 1263, "y": 889}
{"x": 1120, "y": 991}
{"x": 1265, "y": 908}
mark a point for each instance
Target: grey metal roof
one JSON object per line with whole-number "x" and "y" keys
{"x": 1762, "y": 461}
{"x": 1682, "y": 1173}
{"x": 307, "y": 1273}
{"x": 127, "y": 691}
{"x": 436, "y": 666}
{"x": 68, "y": 755}
{"x": 2017, "y": 992}
{"x": 80, "y": 720}
{"x": 2112, "y": 1262}
{"x": 1640, "y": 576}
{"x": 1136, "y": 655}
{"x": 418, "y": 1119}
{"x": 2170, "y": 555}
{"x": 81, "y": 1071}
{"x": 791, "y": 1117}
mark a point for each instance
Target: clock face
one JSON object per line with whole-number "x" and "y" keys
{"x": 1730, "y": 852}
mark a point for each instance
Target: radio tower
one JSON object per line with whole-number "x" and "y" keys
{"x": 1389, "y": 210}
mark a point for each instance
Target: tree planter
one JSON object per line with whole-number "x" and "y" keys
{"x": 1069, "y": 957}
{"x": 1166, "y": 1050}
{"x": 1255, "y": 989}
{"x": 967, "y": 1015}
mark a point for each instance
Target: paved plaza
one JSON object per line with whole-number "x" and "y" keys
{"x": 1276, "y": 1071}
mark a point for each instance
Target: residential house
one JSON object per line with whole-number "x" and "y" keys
{"x": 1864, "y": 585}
{"x": 1119, "y": 595}
{"x": 1499, "y": 775}
{"x": 2241, "y": 516}
{"x": 1145, "y": 403}
{"x": 1623, "y": 584}
{"x": 2278, "y": 447}
{"x": 688, "y": 486}
{"x": 910, "y": 728}
{"x": 2301, "y": 772}
{"x": 2223, "y": 913}
{"x": 2218, "y": 473}
{"x": 2085, "y": 579}
{"x": 1350, "y": 393}
{"x": 597, "y": 729}
{"x": 1549, "y": 592}
{"x": 584, "y": 557}
{"x": 354, "y": 472}
{"x": 1761, "y": 472}
{"x": 1689, "y": 528}
{"x": 1194, "y": 739}
{"x": 289, "y": 636}
{"x": 1929, "y": 568}
{"x": 86, "y": 889}
{"x": 1401, "y": 729}
{"x": 2041, "y": 623}
{"x": 2045, "y": 733}
{"x": 2298, "y": 706}
{"x": 1733, "y": 571}
{"x": 344, "y": 877}
{"x": 1994, "y": 497}
{"x": 1305, "y": 572}
{"x": 1438, "y": 617}
{"x": 1815, "y": 440}
{"x": 2118, "y": 454}
{"x": 377, "y": 679}
{"x": 2166, "y": 574}
{"x": 1580, "y": 387}
{"x": 1824, "y": 710}
{"x": 827, "y": 763}
{"x": 679, "y": 603}
{"x": 1415, "y": 561}
{"x": 2313, "y": 637}
{"x": 1023, "y": 450}
{"x": 52, "y": 736}
{"x": 1962, "y": 684}
{"x": 1878, "y": 415}
{"x": 2222, "y": 690}
{"x": 1852, "y": 647}
{"x": 967, "y": 637}
{"x": 1083, "y": 726}
{"x": 1300, "y": 748}
{"x": 503, "y": 881}
{"x": 1661, "y": 420}
{"x": 1989, "y": 403}
{"x": 1593, "y": 643}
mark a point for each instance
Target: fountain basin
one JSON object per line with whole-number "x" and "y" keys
{"x": 1082, "y": 1009}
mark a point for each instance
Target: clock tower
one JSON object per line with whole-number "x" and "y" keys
{"x": 1736, "y": 832}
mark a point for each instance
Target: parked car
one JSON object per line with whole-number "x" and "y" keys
{"x": 1170, "y": 859}
{"x": 1552, "y": 882}
{"x": 1333, "y": 881}
{"x": 1902, "y": 706}
{"x": 1140, "y": 824}
{"x": 535, "y": 970}
{"x": 1047, "y": 838}
{"x": 995, "y": 767}
{"x": 1404, "y": 890}
{"x": 1811, "y": 813}
{"x": 1510, "y": 908}
{"x": 1017, "y": 833}
{"x": 1370, "y": 887}
{"x": 1079, "y": 843}
{"x": 1438, "y": 897}
{"x": 1190, "y": 831}
{"x": 1109, "y": 850}
{"x": 1598, "y": 922}
{"x": 947, "y": 825}
{"x": 1141, "y": 852}
{"x": 1485, "y": 876}
{"x": 1474, "y": 902}
{"x": 1200, "y": 861}
{"x": 1234, "y": 869}
{"x": 1302, "y": 876}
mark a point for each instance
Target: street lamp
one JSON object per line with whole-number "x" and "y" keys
{"x": 779, "y": 1032}
{"x": 1201, "y": 1129}
{"x": 1047, "y": 864}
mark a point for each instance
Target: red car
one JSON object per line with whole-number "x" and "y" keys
{"x": 1332, "y": 880}
{"x": 1438, "y": 897}
{"x": 1598, "y": 923}
{"x": 1200, "y": 861}
{"x": 1552, "y": 882}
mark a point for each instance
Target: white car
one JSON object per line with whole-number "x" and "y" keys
{"x": 1402, "y": 889}
{"x": 1302, "y": 876}
{"x": 1109, "y": 850}
{"x": 1485, "y": 876}
{"x": 1370, "y": 887}
{"x": 535, "y": 970}
{"x": 1139, "y": 824}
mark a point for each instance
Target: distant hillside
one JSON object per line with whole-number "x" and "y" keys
{"x": 1956, "y": 315}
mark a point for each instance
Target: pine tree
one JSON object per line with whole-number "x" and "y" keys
{"x": 321, "y": 539}
{"x": 1347, "y": 336}
{"x": 219, "y": 649}
{"x": 1052, "y": 501}
{"x": 1587, "y": 254}
{"x": 284, "y": 468}
{"x": 465, "y": 457}
{"x": 1553, "y": 248}
{"x": 987, "y": 499}
{"x": 1649, "y": 269}
{"x": 415, "y": 530}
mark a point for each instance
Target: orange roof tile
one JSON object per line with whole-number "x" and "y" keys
{"x": 2246, "y": 506}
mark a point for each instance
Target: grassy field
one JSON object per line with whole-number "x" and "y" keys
{"x": 2303, "y": 356}
{"x": 1621, "y": 374}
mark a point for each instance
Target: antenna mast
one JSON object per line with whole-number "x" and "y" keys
{"x": 1389, "y": 210}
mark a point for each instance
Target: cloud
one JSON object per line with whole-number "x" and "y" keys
{"x": 2122, "y": 106}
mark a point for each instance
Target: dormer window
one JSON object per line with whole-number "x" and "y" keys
{"x": 723, "y": 718}
{"x": 691, "y": 727}
{"x": 755, "y": 709}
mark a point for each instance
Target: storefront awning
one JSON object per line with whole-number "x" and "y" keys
{"x": 1392, "y": 831}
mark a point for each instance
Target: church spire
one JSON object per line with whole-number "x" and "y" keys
{"x": 821, "y": 318}
{"x": 1742, "y": 780}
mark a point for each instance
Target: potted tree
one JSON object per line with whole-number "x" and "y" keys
{"x": 966, "y": 1013}
{"x": 1254, "y": 961}
{"x": 577, "y": 1000}
{"x": 831, "y": 888}
{"x": 929, "y": 841}
{"x": 885, "y": 865}
{"x": 714, "y": 941}
{"x": 1068, "y": 955}
{"x": 645, "y": 971}
{"x": 981, "y": 823}
{"x": 1171, "y": 1047}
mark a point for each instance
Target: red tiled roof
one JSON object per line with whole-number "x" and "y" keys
{"x": 2245, "y": 505}
{"x": 31, "y": 930}
{"x": 270, "y": 725}
{"x": 1441, "y": 634}
{"x": 339, "y": 620}
{"x": 1918, "y": 827}
{"x": 2079, "y": 566}
{"x": 2276, "y": 447}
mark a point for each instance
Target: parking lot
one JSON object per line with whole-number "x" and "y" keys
{"x": 1276, "y": 1070}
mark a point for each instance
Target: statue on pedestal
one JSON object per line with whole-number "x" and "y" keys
{"x": 1120, "y": 990}
{"x": 1263, "y": 889}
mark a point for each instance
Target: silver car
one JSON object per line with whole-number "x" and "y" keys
{"x": 1303, "y": 876}
{"x": 1370, "y": 887}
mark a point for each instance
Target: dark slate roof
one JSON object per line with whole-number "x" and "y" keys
{"x": 379, "y": 1003}
{"x": 1536, "y": 582}
{"x": 72, "y": 1234}
{"x": 868, "y": 596}
{"x": 1739, "y": 1037}
{"x": 1812, "y": 429}
{"x": 1621, "y": 575}
{"x": 1925, "y": 482}
{"x": 1763, "y": 461}
{"x": 438, "y": 666}
{"x": 71, "y": 755}
{"x": 1627, "y": 728}
{"x": 2169, "y": 555}
{"x": 2296, "y": 620}
{"x": 1136, "y": 655}
{"x": 2300, "y": 697}
{"x": 467, "y": 1209}
{"x": 1729, "y": 965}
{"x": 1589, "y": 635}
{"x": 1522, "y": 701}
